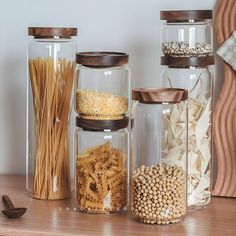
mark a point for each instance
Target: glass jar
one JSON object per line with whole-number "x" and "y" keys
{"x": 186, "y": 33}
{"x": 159, "y": 155}
{"x": 102, "y": 89}
{"x": 51, "y": 66}
{"x": 101, "y": 165}
{"x": 195, "y": 75}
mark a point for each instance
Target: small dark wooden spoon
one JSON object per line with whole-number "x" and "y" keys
{"x": 10, "y": 211}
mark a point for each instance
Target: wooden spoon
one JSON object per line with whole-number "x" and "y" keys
{"x": 10, "y": 211}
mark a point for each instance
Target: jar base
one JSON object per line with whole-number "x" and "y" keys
{"x": 160, "y": 222}
{"x": 102, "y": 211}
{"x": 198, "y": 208}
{"x": 53, "y": 198}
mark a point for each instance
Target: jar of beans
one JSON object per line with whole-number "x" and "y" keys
{"x": 186, "y": 33}
{"x": 102, "y": 88}
{"x": 101, "y": 165}
{"x": 159, "y": 155}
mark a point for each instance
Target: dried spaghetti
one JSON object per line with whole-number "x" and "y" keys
{"x": 51, "y": 82}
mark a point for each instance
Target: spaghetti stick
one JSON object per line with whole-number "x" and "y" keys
{"x": 51, "y": 82}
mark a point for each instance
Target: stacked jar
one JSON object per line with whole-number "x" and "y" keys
{"x": 187, "y": 57}
{"x": 102, "y": 101}
{"x": 186, "y": 33}
{"x": 159, "y": 156}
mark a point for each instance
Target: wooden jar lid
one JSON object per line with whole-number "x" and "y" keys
{"x": 186, "y": 15}
{"x": 50, "y": 32}
{"x": 184, "y": 62}
{"x": 101, "y": 125}
{"x": 102, "y": 59}
{"x": 159, "y": 95}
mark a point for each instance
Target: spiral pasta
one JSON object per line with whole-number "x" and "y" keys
{"x": 101, "y": 179}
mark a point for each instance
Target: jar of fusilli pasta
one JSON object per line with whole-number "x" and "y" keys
{"x": 159, "y": 155}
{"x": 101, "y": 165}
{"x": 102, "y": 88}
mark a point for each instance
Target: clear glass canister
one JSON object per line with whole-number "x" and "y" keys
{"x": 102, "y": 89}
{"x": 51, "y": 66}
{"x": 101, "y": 165}
{"x": 195, "y": 75}
{"x": 186, "y": 33}
{"x": 159, "y": 155}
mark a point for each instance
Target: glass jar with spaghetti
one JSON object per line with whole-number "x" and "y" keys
{"x": 101, "y": 165}
{"x": 102, "y": 88}
{"x": 51, "y": 66}
{"x": 195, "y": 75}
{"x": 158, "y": 166}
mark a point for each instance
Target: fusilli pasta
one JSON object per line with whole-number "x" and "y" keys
{"x": 101, "y": 179}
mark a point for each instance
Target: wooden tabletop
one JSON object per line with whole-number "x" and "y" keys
{"x": 52, "y": 218}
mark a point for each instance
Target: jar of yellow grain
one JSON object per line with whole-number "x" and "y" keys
{"x": 101, "y": 165}
{"x": 51, "y": 65}
{"x": 102, "y": 88}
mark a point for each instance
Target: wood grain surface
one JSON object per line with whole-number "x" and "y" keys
{"x": 159, "y": 95}
{"x": 185, "y": 62}
{"x": 46, "y": 218}
{"x": 186, "y": 15}
{"x": 42, "y": 32}
{"x": 102, "y": 59}
{"x": 224, "y": 130}
{"x": 101, "y": 125}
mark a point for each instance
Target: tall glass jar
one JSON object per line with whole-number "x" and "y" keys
{"x": 186, "y": 33}
{"x": 51, "y": 66}
{"x": 102, "y": 89}
{"x": 195, "y": 75}
{"x": 159, "y": 155}
{"x": 101, "y": 165}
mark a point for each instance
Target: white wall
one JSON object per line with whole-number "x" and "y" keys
{"x": 120, "y": 25}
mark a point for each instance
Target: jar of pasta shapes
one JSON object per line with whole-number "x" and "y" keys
{"x": 159, "y": 155}
{"x": 101, "y": 165}
{"x": 186, "y": 33}
{"x": 51, "y": 65}
{"x": 195, "y": 75}
{"x": 102, "y": 89}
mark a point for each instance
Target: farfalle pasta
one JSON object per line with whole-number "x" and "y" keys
{"x": 101, "y": 180}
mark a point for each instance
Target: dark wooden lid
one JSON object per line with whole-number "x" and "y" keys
{"x": 102, "y": 59}
{"x": 183, "y": 62}
{"x": 101, "y": 125}
{"x": 49, "y": 32}
{"x": 186, "y": 15}
{"x": 159, "y": 95}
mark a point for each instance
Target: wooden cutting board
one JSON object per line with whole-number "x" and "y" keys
{"x": 224, "y": 121}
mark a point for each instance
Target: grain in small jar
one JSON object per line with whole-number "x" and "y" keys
{"x": 102, "y": 88}
{"x": 186, "y": 33}
{"x": 92, "y": 104}
{"x": 101, "y": 165}
{"x": 158, "y": 167}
